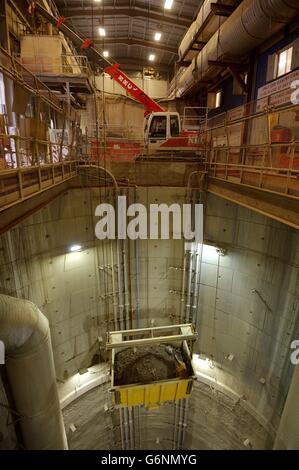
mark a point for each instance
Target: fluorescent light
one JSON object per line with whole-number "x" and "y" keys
{"x": 97, "y": 1}
{"x": 102, "y": 31}
{"x": 158, "y": 36}
{"x": 168, "y": 4}
{"x": 75, "y": 248}
{"x": 106, "y": 53}
{"x": 151, "y": 57}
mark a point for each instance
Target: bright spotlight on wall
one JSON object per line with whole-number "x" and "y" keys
{"x": 168, "y": 4}
{"x": 157, "y": 36}
{"x": 102, "y": 31}
{"x": 74, "y": 248}
{"x": 202, "y": 363}
{"x": 212, "y": 249}
{"x": 151, "y": 57}
{"x": 106, "y": 53}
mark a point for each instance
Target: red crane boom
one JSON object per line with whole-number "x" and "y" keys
{"x": 111, "y": 68}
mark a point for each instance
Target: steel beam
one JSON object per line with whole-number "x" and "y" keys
{"x": 221, "y": 9}
{"x": 226, "y": 63}
{"x": 23, "y": 209}
{"x": 278, "y": 207}
{"x": 154, "y": 14}
{"x": 235, "y": 73}
{"x": 4, "y": 34}
{"x": 129, "y": 63}
{"x": 131, "y": 41}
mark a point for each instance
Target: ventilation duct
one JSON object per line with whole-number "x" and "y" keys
{"x": 202, "y": 28}
{"x": 25, "y": 333}
{"x": 250, "y": 25}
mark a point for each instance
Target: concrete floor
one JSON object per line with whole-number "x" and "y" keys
{"x": 214, "y": 422}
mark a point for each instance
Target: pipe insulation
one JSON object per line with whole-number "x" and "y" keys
{"x": 202, "y": 28}
{"x": 31, "y": 373}
{"x": 252, "y": 23}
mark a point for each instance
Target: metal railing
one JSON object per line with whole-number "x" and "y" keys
{"x": 195, "y": 118}
{"x": 19, "y": 151}
{"x": 68, "y": 64}
{"x": 19, "y": 184}
{"x": 256, "y": 145}
{"x": 12, "y": 68}
{"x": 29, "y": 166}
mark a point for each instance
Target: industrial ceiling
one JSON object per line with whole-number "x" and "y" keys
{"x": 130, "y": 27}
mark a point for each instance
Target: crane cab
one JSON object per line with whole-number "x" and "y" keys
{"x": 160, "y": 127}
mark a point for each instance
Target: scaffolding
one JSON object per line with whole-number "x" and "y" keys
{"x": 256, "y": 145}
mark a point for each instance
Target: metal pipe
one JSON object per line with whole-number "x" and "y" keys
{"x": 188, "y": 301}
{"x": 120, "y": 284}
{"x": 175, "y": 427}
{"x": 137, "y": 272}
{"x": 252, "y": 23}
{"x": 185, "y": 421}
{"x": 116, "y": 325}
{"x": 180, "y": 425}
{"x": 183, "y": 293}
{"x": 126, "y": 286}
{"x": 131, "y": 428}
{"x": 30, "y": 368}
{"x": 119, "y": 248}
{"x": 196, "y": 284}
{"x": 197, "y": 26}
{"x": 127, "y": 439}
{"x": 105, "y": 171}
{"x": 121, "y": 429}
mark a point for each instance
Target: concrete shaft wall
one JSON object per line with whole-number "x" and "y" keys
{"x": 249, "y": 304}
{"x": 74, "y": 289}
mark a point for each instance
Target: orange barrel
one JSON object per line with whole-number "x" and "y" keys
{"x": 281, "y": 134}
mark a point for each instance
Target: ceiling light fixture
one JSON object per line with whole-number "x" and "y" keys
{"x": 102, "y": 31}
{"x": 75, "y": 248}
{"x": 158, "y": 36}
{"x": 106, "y": 53}
{"x": 168, "y": 4}
{"x": 152, "y": 57}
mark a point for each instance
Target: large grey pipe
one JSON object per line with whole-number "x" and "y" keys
{"x": 250, "y": 25}
{"x": 31, "y": 373}
{"x": 287, "y": 437}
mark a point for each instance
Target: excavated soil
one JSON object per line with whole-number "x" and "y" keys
{"x": 150, "y": 363}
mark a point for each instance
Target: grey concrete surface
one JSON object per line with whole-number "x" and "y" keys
{"x": 248, "y": 298}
